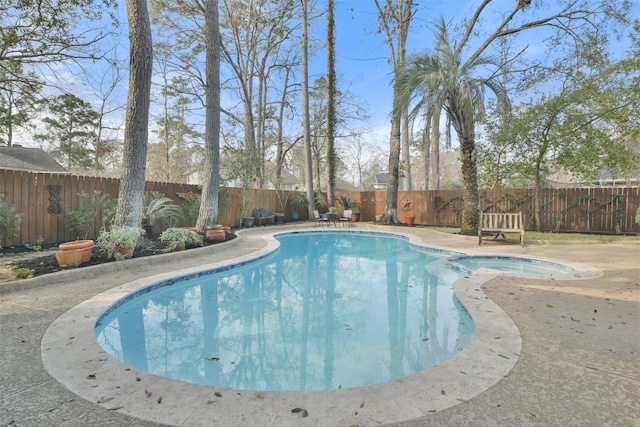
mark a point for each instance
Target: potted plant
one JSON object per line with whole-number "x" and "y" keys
{"x": 69, "y": 257}
{"x": 85, "y": 245}
{"x": 301, "y": 200}
{"x": 298, "y": 201}
{"x": 349, "y": 204}
{"x": 120, "y": 241}
{"x": 215, "y": 233}
{"x": 158, "y": 208}
{"x": 178, "y": 239}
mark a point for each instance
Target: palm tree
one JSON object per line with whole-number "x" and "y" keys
{"x": 444, "y": 80}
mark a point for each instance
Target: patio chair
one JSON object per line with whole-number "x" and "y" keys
{"x": 346, "y": 216}
{"x": 261, "y": 217}
{"x": 319, "y": 219}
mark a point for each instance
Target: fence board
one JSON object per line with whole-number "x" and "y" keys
{"x": 17, "y": 199}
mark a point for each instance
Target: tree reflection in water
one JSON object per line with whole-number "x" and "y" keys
{"x": 327, "y": 310}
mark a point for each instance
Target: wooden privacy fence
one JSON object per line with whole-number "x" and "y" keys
{"x": 45, "y": 199}
{"x": 582, "y": 210}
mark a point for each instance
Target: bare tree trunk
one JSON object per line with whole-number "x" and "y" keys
{"x": 136, "y": 132}
{"x": 395, "y": 27}
{"x": 306, "y": 123}
{"x": 208, "y": 213}
{"x": 391, "y": 210}
{"x": 331, "y": 104}
{"x": 537, "y": 202}
{"x": 280, "y": 152}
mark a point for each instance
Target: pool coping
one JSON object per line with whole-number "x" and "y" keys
{"x": 72, "y": 355}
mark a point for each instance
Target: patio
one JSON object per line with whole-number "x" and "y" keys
{"x": 579, "y": 361}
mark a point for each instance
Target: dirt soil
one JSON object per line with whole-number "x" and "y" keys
{"x": 43, "y": 261}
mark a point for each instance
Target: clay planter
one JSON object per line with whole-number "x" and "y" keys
{"x": 226, "y": 229}
{"x": 355, "y": 217}
{"x": 85, "y": 245}
{"x": 410, "y": 220}
{"x": 215, "y": 235}
{"x": 69, "y": 257}
{"x": 179, "y": 246}
{"x": 127, "y": 253}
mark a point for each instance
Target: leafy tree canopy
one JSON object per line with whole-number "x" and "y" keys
{"x": 70, "y": 130}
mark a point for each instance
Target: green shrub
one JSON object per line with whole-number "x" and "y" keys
{"x": 177, "y": 237}
{"x": 23, "y": 272}
{"x": 123, "y": 237}
{"x": 94, "y": 211}
{"x": 347, "y": 202}
{"x": 37, "y": 247}
{"x": 189, "y": 211}
{"x": 10, "y": 221}
{"x": 158, "y": 208}
{"x": 638, "y": 215}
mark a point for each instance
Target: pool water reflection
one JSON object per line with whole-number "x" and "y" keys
{"x": 327, "y": 310}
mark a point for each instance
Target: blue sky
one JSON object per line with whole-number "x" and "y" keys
{"x": 363, "y": 57}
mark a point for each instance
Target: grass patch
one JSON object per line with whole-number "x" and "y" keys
{"x": 569, "y": 237}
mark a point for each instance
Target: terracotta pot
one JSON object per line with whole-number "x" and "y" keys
{"x": 226, "y": 229}
{"x": 215, "y": 235}
{"x": 127, "y": 253}
{"x": 85, "y": 245}
{"x": 355, "y": 217}
{"x": 410, "y": 220}
{"x": 69, "y": 257}
{"x": 180, "y": 246}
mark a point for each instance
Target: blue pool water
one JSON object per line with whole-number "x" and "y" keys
{"x": 327, "y": 310}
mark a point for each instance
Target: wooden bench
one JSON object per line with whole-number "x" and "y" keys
{"x": 500, "y": 224}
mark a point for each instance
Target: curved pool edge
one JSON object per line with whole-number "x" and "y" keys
{"x": 72, "y": 355}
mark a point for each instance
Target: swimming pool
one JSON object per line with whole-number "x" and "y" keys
{"x": 326, "y": 310}
{"x": 72, "y": 355}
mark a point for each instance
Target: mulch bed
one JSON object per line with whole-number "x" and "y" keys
{"x": 47, "y": 263}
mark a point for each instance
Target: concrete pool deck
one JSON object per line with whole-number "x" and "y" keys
{"x": 578, "y": 362}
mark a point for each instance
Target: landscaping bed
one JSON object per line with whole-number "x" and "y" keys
{"x": 34, "y": 263}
